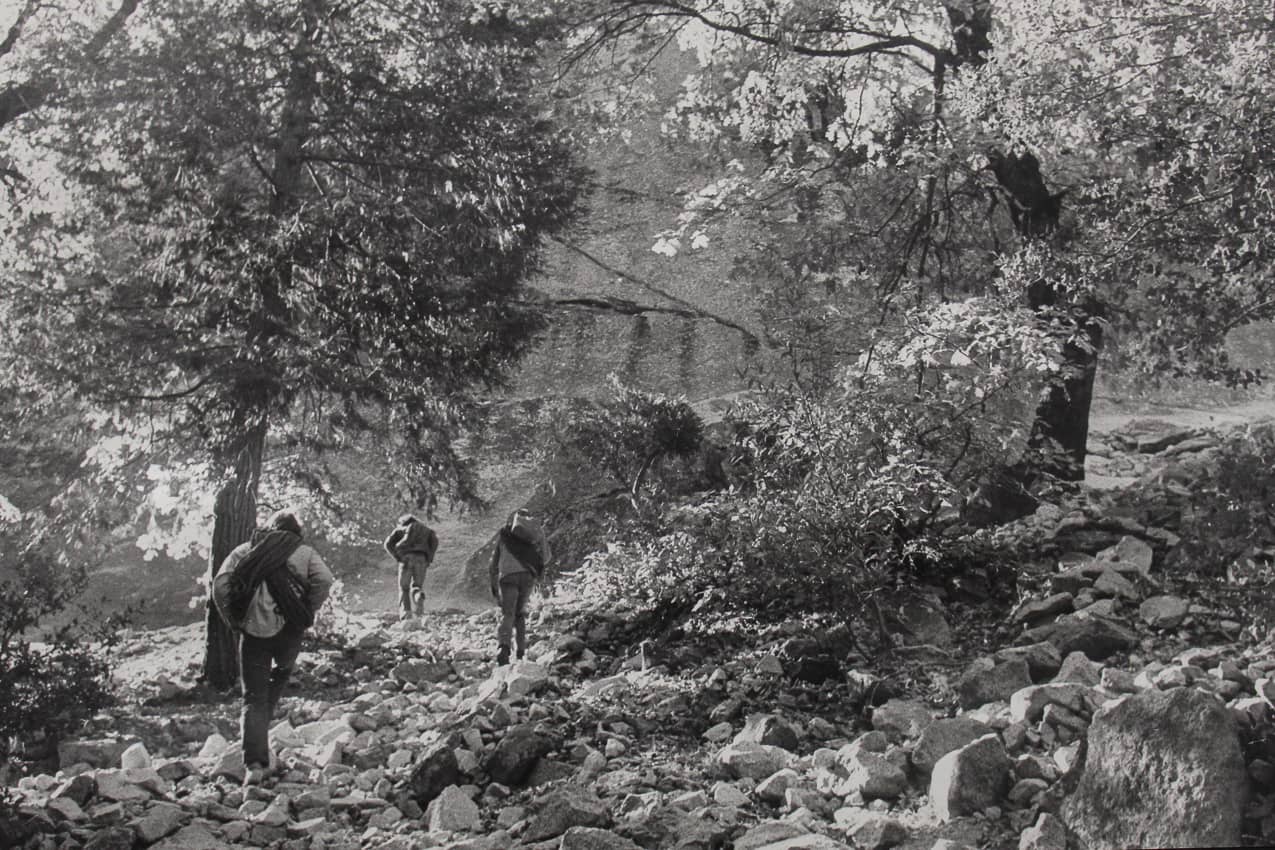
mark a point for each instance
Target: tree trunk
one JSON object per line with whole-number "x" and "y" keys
{"x": 234, "y": 518}
{"x": 1060, "y": 430}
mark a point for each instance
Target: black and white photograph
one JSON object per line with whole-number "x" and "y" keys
{"x": 637, "y": 424}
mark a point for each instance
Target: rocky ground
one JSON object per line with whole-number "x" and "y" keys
{"x": 1114, "y": 706}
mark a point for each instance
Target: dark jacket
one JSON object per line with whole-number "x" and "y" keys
{"x": 505, "y": 560}
{"x": 413, "y": 538}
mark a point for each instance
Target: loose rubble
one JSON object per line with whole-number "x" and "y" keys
{"x": 1097, "y": 722}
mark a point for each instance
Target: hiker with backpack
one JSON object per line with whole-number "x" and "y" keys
{"x": 522, "y": 551}
{"x": 412, "y": 543}
{"x": 268, "y": 590}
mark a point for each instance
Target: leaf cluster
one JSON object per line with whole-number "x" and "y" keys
{"x": 833, "y": 501}
{"x": 318, "y": 212}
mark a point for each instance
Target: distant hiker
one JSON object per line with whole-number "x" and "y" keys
{"x": 522, "y": 551}
{"x": 412, "y": 543}
{"x": 268, "y": 590}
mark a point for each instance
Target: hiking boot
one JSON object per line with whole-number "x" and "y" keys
{"x": 255, "y": 775}
{"x": 502, "y": 657}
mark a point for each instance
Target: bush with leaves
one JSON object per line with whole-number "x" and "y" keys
{"x": 837, "y": 500}
{"x": 626, "y": 437}
{"x": 52, "y": 668}
{"x": 1228, "y": 509}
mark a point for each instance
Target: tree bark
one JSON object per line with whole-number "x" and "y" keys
{"x": 234, "y": 519}
{"x": 1060, "y": 431}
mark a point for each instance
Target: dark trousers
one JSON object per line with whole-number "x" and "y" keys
{"x": 411, "y": 584}
{"x": 515, "y": 590}
{"x": 264, "y": 667}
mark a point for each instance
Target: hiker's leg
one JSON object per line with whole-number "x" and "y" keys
{"x": 254, "y": 678}
{"x": 509, "y": 591}
{"x": 419, "y": 564}
{"x": 520, "y": 612}
{"x": 404, "y": 589}
{"x": 286, "y": 646}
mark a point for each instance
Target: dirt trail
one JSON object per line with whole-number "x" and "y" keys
{"x": 1108, "y": 416}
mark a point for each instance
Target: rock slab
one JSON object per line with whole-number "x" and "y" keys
{"x": 1163, "y": 769}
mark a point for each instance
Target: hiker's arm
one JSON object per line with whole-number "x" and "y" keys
{"x": 220, "y": 589}
{"x": 391, "y": 543}
{"x": 320, "y": 579}
{"x": 493, "y": 570}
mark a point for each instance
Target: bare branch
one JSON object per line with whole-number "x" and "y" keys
{"x": 689, "y": 309}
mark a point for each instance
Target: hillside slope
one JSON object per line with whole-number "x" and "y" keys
{"x": 1116, "y": 703}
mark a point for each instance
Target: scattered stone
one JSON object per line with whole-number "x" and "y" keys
{"x": 1043, "y": 659}
{"x": 417, "y": 671}
{"x": 1034, "y": 611}
{"x": 900, "y": 719}
{"x": 870, "y": 830}
{"x": 193, "y": 837}
{"x": 1163, "y": 612}
{"x": 1113, "y": 583}
{"x": 1048, "y": 834}
{"x": 564, "y": 809}
{"x": 1129, "y": 555}
{"x": 1077, "y": 667}
{"x": 969, "y": 780}
{"x": 988, "y": 680}
{"x": 453, "y": 811}
{"x": 512, "y": 760}
{"x": 755, "y": 761}
{"x": 768, "y": 833}
{"x": 135, "y": 757}
{"x": 774, "y": 789}
{"x": 942, "y": 737}
{"x": 857, "y": 769}
{"x": 1029, "y": 704}
{"x": 436, "y": 769}
{"x": 104, "y": 752}
{"x": 160, "y": 820}
{"x": 111, "y": 838}
{"x": 768, "y": 729}
{"x": 1097, "y": 637}
{"x": 591, "y": 838}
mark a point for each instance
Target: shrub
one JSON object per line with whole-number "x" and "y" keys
{"x": 626, "y": 437}
{"x": 835, "y": 502}
{"x": 52, "y": 668}
{"x": 1228, "y": 511}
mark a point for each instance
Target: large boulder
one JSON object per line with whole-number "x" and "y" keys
{"x": 1163, "y": 769}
